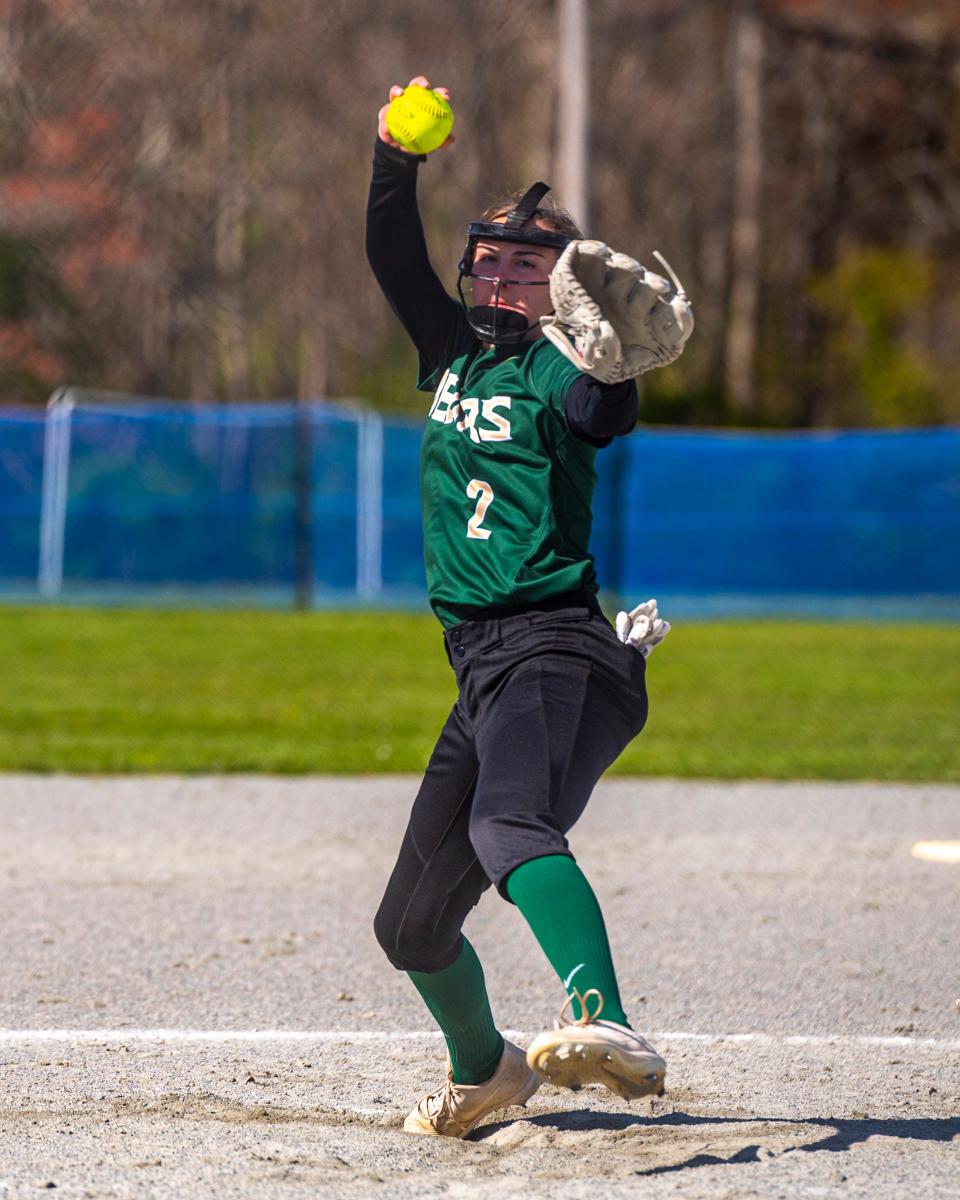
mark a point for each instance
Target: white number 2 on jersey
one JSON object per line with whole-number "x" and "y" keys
{"x": 483, "y": 493}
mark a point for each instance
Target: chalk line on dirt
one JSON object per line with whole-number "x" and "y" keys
{"x": 95, "y": 1036}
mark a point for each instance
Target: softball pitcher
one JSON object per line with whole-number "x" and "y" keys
{"x": 531, "y": 375}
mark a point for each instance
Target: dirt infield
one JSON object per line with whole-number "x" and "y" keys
{"x": 194, "y": 1002}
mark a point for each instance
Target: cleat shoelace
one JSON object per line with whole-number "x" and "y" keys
{"x": 441, "y": 1103}
{"x": 585, "y": 1015}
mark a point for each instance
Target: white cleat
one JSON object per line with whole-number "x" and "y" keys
{"x": 594, "y": 1051}
{"x": 455, "y": 1108}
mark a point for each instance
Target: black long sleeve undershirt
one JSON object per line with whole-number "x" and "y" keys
{"x": 397, "y": 252}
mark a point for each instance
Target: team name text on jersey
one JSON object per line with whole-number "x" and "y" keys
{"x": 465, "y": 413}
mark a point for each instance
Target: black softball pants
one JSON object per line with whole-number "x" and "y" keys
{"x": 548, "y": 698}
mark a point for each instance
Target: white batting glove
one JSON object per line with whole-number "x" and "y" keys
{"x": 642, "y": 627}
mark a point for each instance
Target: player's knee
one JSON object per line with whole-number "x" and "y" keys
{"x": 381, "y": 928}
{"x": 387, "y": 928}
{"x": 408, "y": 943}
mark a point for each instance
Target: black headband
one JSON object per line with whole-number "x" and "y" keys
{"x": 511, "y": 229}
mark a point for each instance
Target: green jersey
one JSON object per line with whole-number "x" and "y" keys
{"x": 506, "y": 486}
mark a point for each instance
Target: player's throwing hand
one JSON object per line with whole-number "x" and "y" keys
{"x": 398, "y": 90}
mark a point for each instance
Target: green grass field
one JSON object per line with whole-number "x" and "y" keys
{"x": 133, "y": 690}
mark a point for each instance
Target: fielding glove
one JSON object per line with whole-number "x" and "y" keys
{"x": 642, "y": 627}
{"x": 613, "y": 318}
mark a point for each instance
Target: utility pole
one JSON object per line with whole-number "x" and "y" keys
{"x": 747, "y": 206}
{"x": 573, "y": 108}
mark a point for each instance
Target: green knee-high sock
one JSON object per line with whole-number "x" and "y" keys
{"x": 560, "y": 907}
{"x": 457, "y": 998}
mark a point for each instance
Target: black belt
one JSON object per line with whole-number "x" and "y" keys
{"x": 572, "y": 599}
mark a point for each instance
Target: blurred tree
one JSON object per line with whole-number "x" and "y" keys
{"x": 871, "y": 295}
{"x": 33, "y": 310}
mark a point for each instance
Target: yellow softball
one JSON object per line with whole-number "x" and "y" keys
{"x": 419, "y": 119}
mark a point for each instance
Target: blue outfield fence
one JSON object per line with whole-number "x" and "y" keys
{"x": 107, "y": 498}
{"x": 21, "y": 486}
